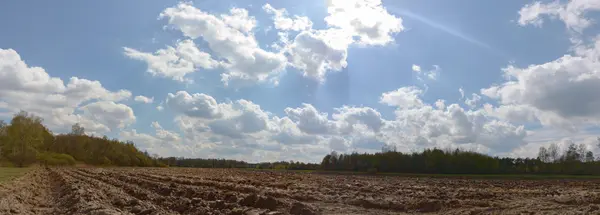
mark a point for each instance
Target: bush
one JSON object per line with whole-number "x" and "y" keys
{"x": 55, "y": 159}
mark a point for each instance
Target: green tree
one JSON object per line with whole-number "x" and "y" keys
{"x": 24, "y": 137}
{"x": 589, "y": 156}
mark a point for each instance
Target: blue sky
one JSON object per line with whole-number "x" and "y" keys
{"x": 470, "y": 46}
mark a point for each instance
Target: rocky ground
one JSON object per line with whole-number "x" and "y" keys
{"x": 230, "y": 191}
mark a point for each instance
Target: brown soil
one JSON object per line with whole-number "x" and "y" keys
{"x": 230, "y": 191}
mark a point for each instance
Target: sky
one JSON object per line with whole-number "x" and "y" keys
{"x": 295, "y": 80}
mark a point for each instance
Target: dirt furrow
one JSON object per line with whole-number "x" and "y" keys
{"x": 187, "y": 201}
{"x": 119, "y": 197}
{"x": 219, "y": 201}
{"x": 366, "y": 203}
{"x": 111, "y": 191}
{"x": 30, "y": 194}
{"x": 172, "y": 203}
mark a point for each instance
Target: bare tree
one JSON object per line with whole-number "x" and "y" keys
{"x": 543, "y": 155}
{"x": 77, "y": 129}
{"x": 553, "y": 152}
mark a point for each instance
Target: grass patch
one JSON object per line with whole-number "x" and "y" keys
{"x": 9, "y": 173}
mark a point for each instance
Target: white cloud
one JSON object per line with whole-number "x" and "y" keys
{"x": 143, "y": 99}
{"x": 109, "y": 113}
{"x": 351, "y": 116}
{"x": 512, "y": 113}
{"x": 404, "y": 98}
{"x": 310, "y": 120}
{"x": 462, "y": 93}
{"x": 241, "y": 129}
{"x": 163, "y": 134}
{"x": 366, "y": 19}
{"x": 561, "y": 93}
{"x": 176, "y": 62}
{"x": 546, "y": 136}
{"x": 473, "y": 101}
{"x": 230, "y": 37}
{"x": 416, "y": 68}
{"x": 283, "y": 22}
{"x": 315, "y": 53}
{"x": 32, "y": 89}
{"x": 239, "y": 19}
{"x": 195, "y": 105}
{"x": 440, "y": 104}
{"x": 160, "y": 144}
{"x": 572, "y": 13}
{"x": 428, "y": 127}
{"x": 429, "y": 74}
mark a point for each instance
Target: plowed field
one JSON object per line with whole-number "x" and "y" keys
{"x": 230, "y": 191}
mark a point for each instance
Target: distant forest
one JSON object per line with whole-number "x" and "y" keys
{"x": 27, "y": 141}
{"x": 223, "y": 163}
{"x": 574, "y": 160}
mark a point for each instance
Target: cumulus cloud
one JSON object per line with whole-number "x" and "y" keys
{"x": 560, "y": 93}
{"x": 440, "y": 104}
{"x": 512, "y": 113}
{"x": 109, "y": 113}
{"x": 316, "y": 52}
{"x": 238, "y": 127}
{"x": 143, "y": 99}
{"x": 162, "y": 142}
{"x": 195, "y": 105}
{"x": 428, "y": 127}
{"x": 404, "y": 98}
{"x": 244, "y": 129}
{"x": 176, "y": 62}
{"x": 473, "y": 101}
{"x": 572, "y": 13}
{"x": 32, "y": 89}
{"x": 351, "y": 116}
{"x": 416, "y": 68}
{"x": 430, "y": 74}
{"x": 310, "y": 120}
{"x": 230, "y": 37}
{"x": 165, "y": 135}
{"x": 366, "y": 19}
{"x": 283, "y": 22}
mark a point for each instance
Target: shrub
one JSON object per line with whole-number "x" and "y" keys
{"x": 55, "y": 159}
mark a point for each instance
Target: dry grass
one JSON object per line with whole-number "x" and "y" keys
{"x": 8, "y": 173}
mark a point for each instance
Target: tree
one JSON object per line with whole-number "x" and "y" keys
{"x": 2, "y": 136}
{"x": 543, "y": 154}
{"x": 77, "y": 129}
{"x": 589, "y": 156}
{"x": 24, "y": 136}
{"x": 571, "y": 154}
{"x": 553, "y": 152}
{"x": 581, "y": 151}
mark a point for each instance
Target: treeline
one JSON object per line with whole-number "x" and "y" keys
{"x": 26, "y": 141}
{"x": 223, "y": 163}
{"x": 202, "y": 163}
{"x": 575, "y": 160}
